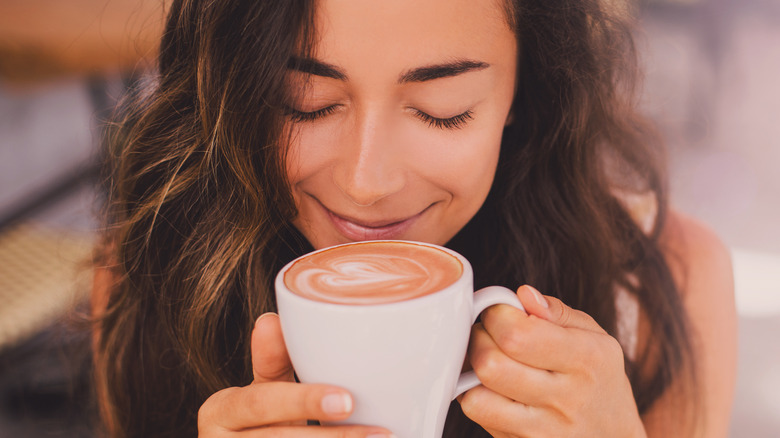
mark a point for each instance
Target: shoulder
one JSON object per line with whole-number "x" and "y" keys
{"x": 692, "y": 250}
{"x": 697, "y": 257}
{"x": 701, "y": 265}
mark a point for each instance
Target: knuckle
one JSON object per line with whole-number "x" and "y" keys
{"x": 601, "y": 354}
{"x": 488, "y": 365}
{"x": 489, "y": 315}
{"x": 563, "y": 314}
{"x": 587, "y": 317}
{"x": 208, "y": 410}
{"x": 258, "y": 398}
{"x": 568, "y": 413}
{"x": 589, "y": 323}
{"x": 204, "y": 416}
{"x": 262, "y": 399}
{"x": 612, "y": 351}
{"x": 476, "y": 404}
{"x": 513, "y": 341}
{"x": 309, "y": 402}
{"x": 469, "y": 404}
{"x": 588, "y": 354}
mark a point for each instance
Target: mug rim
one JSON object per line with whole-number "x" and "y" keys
{"x": 466, "y": 275}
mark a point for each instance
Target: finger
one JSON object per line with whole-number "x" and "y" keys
{"x": 536, "y": 342}
{"x": 504, "y": 375}
{"x": 270, "y": 360}
{"x": 256, "y": 405}
{"x": 541, "y": 344}
{"x": 319, "y": 432}
{"x": 499, "y": 414}
{"x": 554, "y": 310}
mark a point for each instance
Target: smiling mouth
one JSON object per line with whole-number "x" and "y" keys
{"x": 355, "y": 229}
{"x": 370, "y": 225}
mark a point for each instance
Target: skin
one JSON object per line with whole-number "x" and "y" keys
{"x": 373, "y": 166}
{"x": 369, "y": 166}
{"x": 701, "y": 265}
{"x": 580, "y": 391}
{"x": 549, "y": 372}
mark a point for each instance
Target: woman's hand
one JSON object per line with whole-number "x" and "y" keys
{"x": 552, "y": 371}
{"x": 273, "y": 405}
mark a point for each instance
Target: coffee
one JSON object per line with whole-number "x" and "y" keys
{"x": 400, "y": 358}
{"x": 372, "y": 273}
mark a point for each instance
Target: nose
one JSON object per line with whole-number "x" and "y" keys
{"x": 370, "y": 167}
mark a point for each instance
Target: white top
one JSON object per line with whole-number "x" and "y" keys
{"x": 643, "y": 208}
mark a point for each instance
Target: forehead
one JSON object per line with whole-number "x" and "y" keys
{"x": 397, "y": 34}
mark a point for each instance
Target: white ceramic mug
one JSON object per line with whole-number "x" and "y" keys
{"x": 401, "y": 361}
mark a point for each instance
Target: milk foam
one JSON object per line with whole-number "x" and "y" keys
{"x": 372, "y": 273}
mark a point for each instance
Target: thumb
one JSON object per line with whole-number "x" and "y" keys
{"x": 554, "y": 310}
{"x": 270, "y": 360}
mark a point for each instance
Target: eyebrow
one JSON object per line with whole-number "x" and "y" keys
{"x": 314, "y": 67}
{"x": 419, "y": 74}
{"x": 446, "y": 70}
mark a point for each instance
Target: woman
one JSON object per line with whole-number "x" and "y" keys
{"x": 504, "y": 130}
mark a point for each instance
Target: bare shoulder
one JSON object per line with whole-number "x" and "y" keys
{"x": 698, "y": 258}
{"x": 701, "y": 265}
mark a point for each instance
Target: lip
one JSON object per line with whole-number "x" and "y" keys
{"x": 357, "y": 230}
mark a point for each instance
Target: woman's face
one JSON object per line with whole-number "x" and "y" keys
{"x": 398, "y": 118}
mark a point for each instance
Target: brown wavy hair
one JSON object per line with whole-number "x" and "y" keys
{"x": 199, "y": 211}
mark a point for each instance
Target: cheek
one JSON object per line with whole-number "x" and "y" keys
{"x": 309, "y": 151}
{"x": 463, "y": 168}
{"x": 462, "y": 162}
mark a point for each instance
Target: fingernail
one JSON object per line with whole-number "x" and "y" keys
{"x": 538, "y": 297}
{"x": 336, "y": 403}
{"x": 257, "y": 321}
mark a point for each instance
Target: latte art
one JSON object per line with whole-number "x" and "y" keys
{"x": 372, "y": 273}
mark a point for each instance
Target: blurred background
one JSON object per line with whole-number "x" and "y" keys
{"x": 711, "y": 85}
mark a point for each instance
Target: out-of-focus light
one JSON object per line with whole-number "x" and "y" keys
{"x": 756, "y": 282}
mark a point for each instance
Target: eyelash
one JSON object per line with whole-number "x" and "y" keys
{"x": 302, "y": 116}
{"x": 455, "y": 122}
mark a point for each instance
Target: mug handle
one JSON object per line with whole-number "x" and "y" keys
{"x": 483, "y": 299}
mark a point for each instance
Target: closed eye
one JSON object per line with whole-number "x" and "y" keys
{"x": 455, "y": 122}
{"x": 308, "y": 116}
